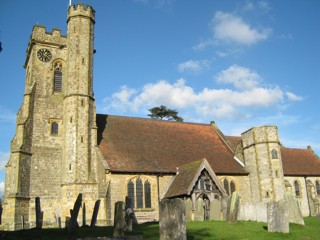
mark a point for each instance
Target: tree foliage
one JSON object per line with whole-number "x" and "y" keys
{"x": 163, "y": 112}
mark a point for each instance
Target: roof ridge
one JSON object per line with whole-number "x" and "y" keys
{"x": 153, "y": 119}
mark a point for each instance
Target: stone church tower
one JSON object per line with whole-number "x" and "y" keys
{"x": 261, "y": 150}
{"x": 53, "y": 154}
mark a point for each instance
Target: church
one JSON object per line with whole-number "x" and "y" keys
{"x": 62, "y": 147}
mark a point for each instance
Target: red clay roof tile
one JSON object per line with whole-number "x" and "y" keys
{"x": 148, "y": 145}
{"x": 300, "y": 162}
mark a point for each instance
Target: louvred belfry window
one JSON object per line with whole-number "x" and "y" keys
{"x": 57, "y": 81}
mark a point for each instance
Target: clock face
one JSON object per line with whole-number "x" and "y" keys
{"x": 44, "y": 55}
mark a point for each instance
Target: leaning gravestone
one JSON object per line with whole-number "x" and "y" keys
{"x": 295, "y": 213}
{"x": 172, "y": 219}
{"x": 119, "y": 219}
{"x": 234, "y": 208}
{"x": 73, "y": 224}
{"x": 39, "y": 214}
{"x": 278, "y": 216}
{"x": 95, "y": 213}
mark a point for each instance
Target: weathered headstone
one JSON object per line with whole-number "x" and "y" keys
{"x": 172, "y": 219}
{"x": 95, "y": 213}
{"x": 199, "y": 211}
{"x": 119, "y": 219}
{"x": 234, "y": 208}
{"x": 84, "y": 220}
{"x": 73, "y": 224}
{"x": 129, "y": 215}
{"x": 39, "y": 214}
{"x": 215, "y": 209}
{"x": 225, "y": 207}
{"x": 295, "y": 213}
{"x": 189, "y": 211}
{"x": 278, "y": 216}
{"x": 58, "y": 217}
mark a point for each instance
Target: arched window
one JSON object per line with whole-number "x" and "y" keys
{"x": 147, "y": 194}
{"x": 139, "y": 193}
{"x": 274, "y": 154}
{"x": 57, "y": 78}
{"x": 297, "y": 188}
{"x": 232, "y": 187}
{"x": 318, "y": 188}
{"x": 54, "y": 128}
{"x": 226, "y": 185}
{"x": 131, "y": 192}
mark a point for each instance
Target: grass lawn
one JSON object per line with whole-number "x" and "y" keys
{"x": 195, "y": 230}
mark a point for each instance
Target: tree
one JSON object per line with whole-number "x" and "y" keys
{"x": 163, "y": 112}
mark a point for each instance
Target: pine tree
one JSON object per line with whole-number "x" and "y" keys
{"x": 163, "y": 112}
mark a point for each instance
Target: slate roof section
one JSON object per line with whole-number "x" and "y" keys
{"x": 300, "y": 162}
{"x": 187, "y": 176}
{"x": 153, "y": 146}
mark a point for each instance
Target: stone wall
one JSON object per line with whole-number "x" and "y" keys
{"x": 119, "y": 190}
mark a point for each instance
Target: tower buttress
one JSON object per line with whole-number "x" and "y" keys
{"x": 79, "y": 106}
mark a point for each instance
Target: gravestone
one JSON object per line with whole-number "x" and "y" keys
{"x": 199, "y": 213}
{"x": 278, "y": 216}
{"x": 189, "y": 210}
{"x": 130, "y": 217}
{"x": 39, "y": 214}
{"x": 225, "y": 205}
{"x": 172, "y": 219}
{"x": 73, "y": 224}
{"x": 215, "y": 209}
{"x": 95, "y": 213}
{"x": 119, "y": 219}
{"x": 295, "y": 213}
{"x": 58, "y": 217}
{"x": 234, "y": 208}
{"x": 84, "y": 220}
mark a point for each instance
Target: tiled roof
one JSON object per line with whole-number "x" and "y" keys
{"x": 300, "y": 162}
{"x": 184, "y": 179}
{"x": 147, "y": 145}
{"x": 233, "y": 141}
{"x": 187, "y": 176}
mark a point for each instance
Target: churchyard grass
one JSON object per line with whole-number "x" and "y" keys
{"x": 209, "y": 230}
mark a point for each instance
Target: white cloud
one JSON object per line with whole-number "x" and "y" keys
{"x": 293, "y": 97}
{"x": 240, "y": 77}
{"x": 4, "y": 158}
{"x": 228, "y": 27}
{"x": 255, "y": 6}
{"x": 193, "y": 66}
{"x": 225, "y": 103}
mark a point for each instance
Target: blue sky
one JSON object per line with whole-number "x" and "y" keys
{"x": 238, "y": 63}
